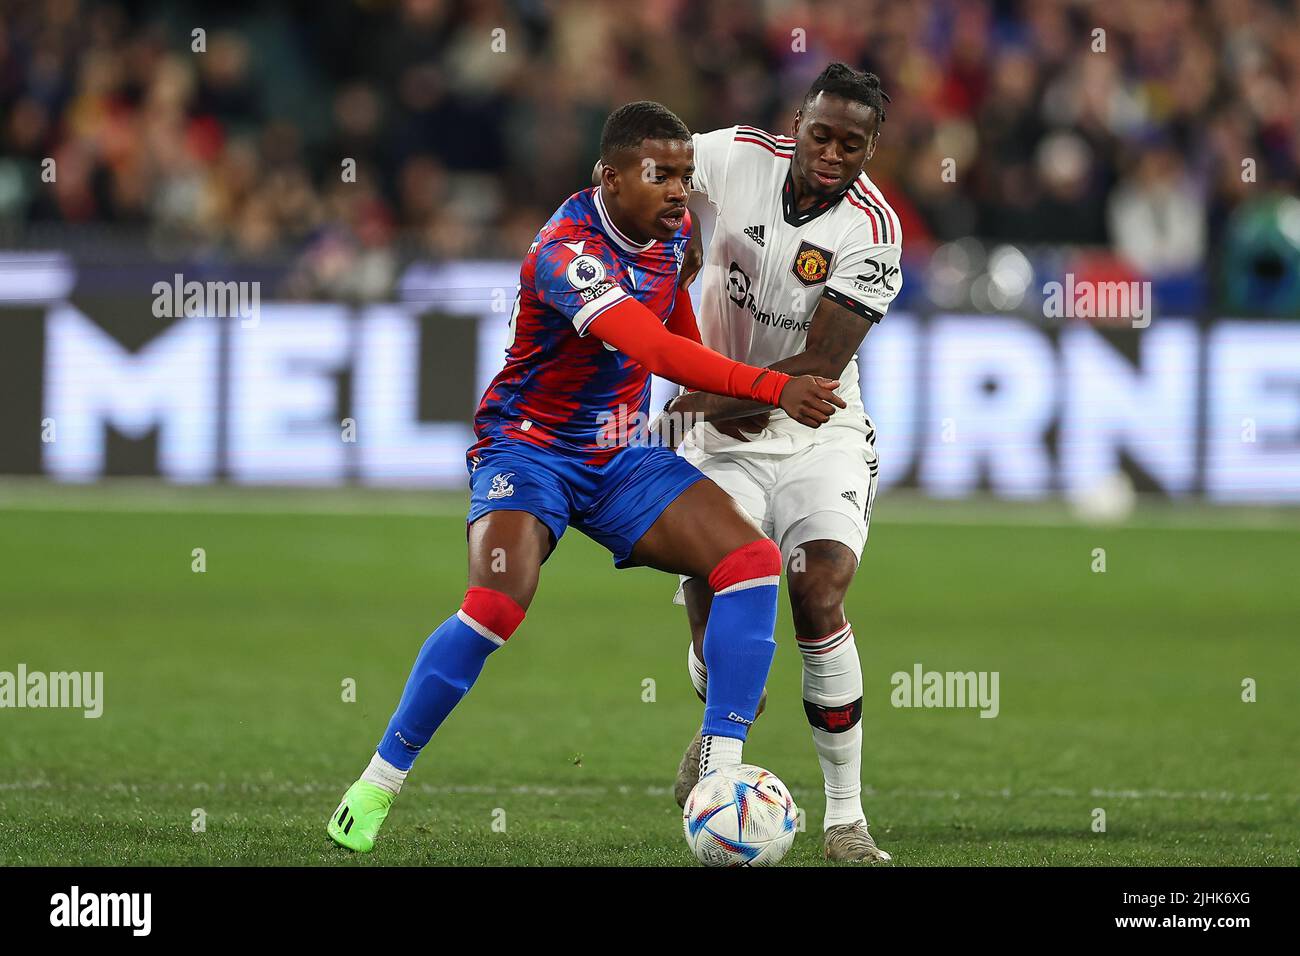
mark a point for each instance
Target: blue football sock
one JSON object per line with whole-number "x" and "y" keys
{"x": 444, "y": 671}
{"x": 738, "y": 651}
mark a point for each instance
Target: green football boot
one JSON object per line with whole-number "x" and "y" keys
{"x": 356, "y": 822}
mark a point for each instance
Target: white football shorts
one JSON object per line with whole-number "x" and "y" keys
{"x": 822, "y": 492}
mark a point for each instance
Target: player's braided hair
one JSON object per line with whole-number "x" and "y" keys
{"x": 840, "y": 79}
{"x": 628, "y": 125}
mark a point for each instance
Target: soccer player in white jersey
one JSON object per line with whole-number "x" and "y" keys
{"x": 804, "y": 260}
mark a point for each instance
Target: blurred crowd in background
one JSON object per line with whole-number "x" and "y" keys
{"x": 470, "y": 120}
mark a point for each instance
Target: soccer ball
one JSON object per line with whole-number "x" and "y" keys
{"x": 740, "y": 816}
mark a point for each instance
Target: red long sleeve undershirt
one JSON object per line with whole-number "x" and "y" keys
{"x": 682, "y": 319}
{"x": 674, "y": 352}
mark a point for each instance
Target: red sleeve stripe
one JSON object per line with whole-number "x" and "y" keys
{"x": 871, "y": 217}
{"x": 769, "y": 148}
{"x": 871, "y": 199}
{"x": 755, "y": 133}
{"x": 886, "y": 224}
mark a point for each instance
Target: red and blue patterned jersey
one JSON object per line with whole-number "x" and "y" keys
{"x": 560, "y": 388}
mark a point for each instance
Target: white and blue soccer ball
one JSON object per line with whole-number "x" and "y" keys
{"x": 740, "y": 816}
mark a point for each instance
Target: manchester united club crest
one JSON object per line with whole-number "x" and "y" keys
{"x": 812, "y": 264}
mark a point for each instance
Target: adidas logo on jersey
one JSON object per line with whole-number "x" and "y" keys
{"x": 755, "y": 233}
{"x": 851, "y": 497}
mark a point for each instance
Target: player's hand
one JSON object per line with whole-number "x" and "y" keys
{"x": 692, "y": 260}
{"x": 811, "y": 400}
{"x": 737, "y": 427}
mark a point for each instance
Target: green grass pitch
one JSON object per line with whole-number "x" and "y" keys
{"x": 223, "y": 690}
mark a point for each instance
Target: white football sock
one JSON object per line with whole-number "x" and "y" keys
{"x": 718, "y": 752}
{"x": 841, "y": 758}
{"x": 695, "y": 667}
{"x": 383, "y": 774}
{"x": 832, "y": 693}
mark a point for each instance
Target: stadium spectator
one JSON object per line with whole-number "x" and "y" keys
{"x": 466, "y": 118}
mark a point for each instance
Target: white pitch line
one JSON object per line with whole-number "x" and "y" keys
{"x": 432, "y": 506}
{"x": 598, "y": 790}
{"x": 443, "y": 505}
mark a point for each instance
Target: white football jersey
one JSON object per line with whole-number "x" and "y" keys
{"x": 768, "y": 266}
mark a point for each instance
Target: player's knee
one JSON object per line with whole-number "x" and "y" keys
{"x": 493, "y": 614}
{"x": 816, "y": 603}
{"x": 758, "y": 562}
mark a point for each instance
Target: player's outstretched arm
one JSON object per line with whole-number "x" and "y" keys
{"x": 834, "y": 337}
{"x": 681, "y": 321}
{"x": 638, "y": 333}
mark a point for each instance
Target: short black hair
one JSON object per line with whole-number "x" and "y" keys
{"x": 840, "y": 79}
{"x": 628, "y": 125}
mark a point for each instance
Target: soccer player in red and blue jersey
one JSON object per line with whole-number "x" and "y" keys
{"x": 599, "y": 310}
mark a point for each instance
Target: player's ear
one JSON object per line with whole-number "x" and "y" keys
{"x": 872, "y": 144}
{"x": 794, "y": 127}
{"x": 610, "y": 177}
